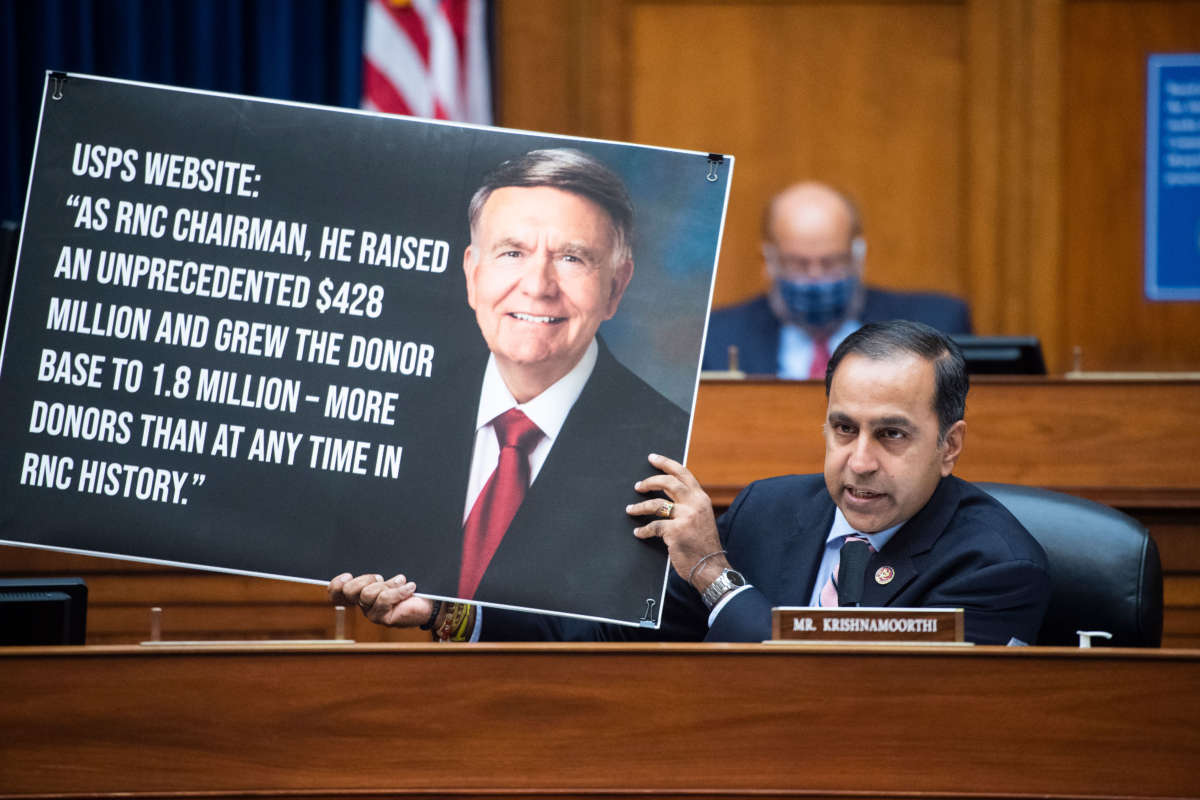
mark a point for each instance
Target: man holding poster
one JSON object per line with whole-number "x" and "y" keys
{"x": 894, "y": 430}
{"x": 549, "y": 260}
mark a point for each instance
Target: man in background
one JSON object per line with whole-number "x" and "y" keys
{"x": 814, "y": 251}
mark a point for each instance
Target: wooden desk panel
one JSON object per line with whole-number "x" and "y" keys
{"x": 1134, "y": 442}
{"x": 599, "y": 721}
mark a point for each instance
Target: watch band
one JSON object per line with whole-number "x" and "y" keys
{"x": 727, "y": 581}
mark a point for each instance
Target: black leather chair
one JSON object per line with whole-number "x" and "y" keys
{"x": 1105, "y": 571}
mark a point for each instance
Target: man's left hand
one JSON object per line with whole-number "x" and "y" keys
{"x": 391, "y": 602}
{"x": 684, "y": 522}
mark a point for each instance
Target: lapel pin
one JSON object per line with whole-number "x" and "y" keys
{"x": 884, "y": 575}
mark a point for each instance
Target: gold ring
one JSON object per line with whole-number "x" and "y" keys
{"x": 665, "y": 510}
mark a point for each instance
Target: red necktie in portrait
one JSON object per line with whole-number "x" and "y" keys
{"x": 497, "y": 504}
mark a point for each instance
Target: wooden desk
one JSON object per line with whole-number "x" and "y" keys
{"x": 598, "y": 721}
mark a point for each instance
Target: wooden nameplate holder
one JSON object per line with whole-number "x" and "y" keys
{"x": 875, "y": 625}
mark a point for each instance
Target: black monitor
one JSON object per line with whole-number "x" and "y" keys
{"x": 43, "y": 611}
{"x": 1002, "y": 355}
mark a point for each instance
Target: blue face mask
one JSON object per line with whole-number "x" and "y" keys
{"x": 817, "y": 304}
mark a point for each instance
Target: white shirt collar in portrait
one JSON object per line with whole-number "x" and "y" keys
{"x": 548, "y": 411}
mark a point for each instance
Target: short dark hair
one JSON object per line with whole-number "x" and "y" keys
{"x": 572, "y": 171}
{"x": 882, "y": 340}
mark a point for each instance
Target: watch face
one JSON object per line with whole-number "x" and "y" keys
{"x": 726, "y": 581}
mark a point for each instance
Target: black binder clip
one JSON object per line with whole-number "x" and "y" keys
{"x": 714, "y": 160}
{"x": 647, "y": 620}
{"x": 58, "y": 80}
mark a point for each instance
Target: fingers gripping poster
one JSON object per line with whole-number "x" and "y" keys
{"x": 277, "y": 339}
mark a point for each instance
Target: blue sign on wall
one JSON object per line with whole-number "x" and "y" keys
{"x": 1173, "y": 177}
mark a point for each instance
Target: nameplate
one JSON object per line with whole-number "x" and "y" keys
{"x": 892, "y": 625}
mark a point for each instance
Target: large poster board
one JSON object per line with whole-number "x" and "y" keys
{"x": 241, "y": 338}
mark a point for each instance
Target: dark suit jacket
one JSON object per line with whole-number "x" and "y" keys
{"x": 571, "y": 546}
{"x": 754, "y": 328}
{"x": 963, "y": 549}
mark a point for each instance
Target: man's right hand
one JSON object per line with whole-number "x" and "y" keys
{"x": 392, "y": 602}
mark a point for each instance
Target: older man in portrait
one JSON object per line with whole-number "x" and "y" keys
{"x": 549, "y": 434}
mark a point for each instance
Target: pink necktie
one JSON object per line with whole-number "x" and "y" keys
{"x": 497, "y": 504}
{"x": 820, "y": 360}
{"x": 829, "y": 592}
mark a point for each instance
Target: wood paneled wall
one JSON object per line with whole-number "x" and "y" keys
{"x": 1104, "y": 173}
{"x": 995, "y": 146}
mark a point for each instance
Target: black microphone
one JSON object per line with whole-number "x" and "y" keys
{"x": 853, "y": 572}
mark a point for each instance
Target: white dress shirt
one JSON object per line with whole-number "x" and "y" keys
{"x": 796, "y": 348}
{"x": 833, "y": 549}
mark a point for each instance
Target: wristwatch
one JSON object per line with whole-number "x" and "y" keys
{"x": 727, "y": 581}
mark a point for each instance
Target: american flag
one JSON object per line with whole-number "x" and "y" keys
{"x": 427, "y": 58}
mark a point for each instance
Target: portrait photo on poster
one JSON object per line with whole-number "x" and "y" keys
{"x": 291, "y": 341}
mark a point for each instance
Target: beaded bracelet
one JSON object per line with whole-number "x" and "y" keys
{"x": 449, "y": 624}
{"x": 462, "y": 632}
{"x": 455, "y": 626}
{"x": 428, "y": 624}
{"x": 701, "y": 561}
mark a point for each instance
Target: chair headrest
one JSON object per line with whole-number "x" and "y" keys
{"x": 1105, "y": 570}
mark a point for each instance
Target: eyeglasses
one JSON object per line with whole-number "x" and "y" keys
{"x": 818, "y": 266}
